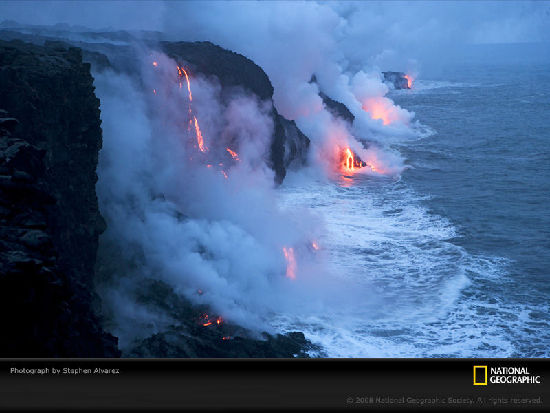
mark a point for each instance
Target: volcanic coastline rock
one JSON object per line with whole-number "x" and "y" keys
{"x": 196, "y": 332}
{"x": 50, "y": 136}
{"x": 337, "y": 109}
{"x": 289, "y": 146}
{"x": 397, "y": 79}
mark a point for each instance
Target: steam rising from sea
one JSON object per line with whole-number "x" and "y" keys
{"x": 388, "y": 279}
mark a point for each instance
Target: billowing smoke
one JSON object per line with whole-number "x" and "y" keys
{"x": 304, "y": 43}
{"x": 199, "y": 220}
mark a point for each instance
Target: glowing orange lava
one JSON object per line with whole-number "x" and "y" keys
{"x": 409, "y": 81}
{"x": 315, "y": 245}
{"x": 183, "y": 72}
{"x": 227, "y": 338}
{"x": 233, "y": 154}
{"x": 290, "y": 263}
{"x": 200, "y": 141}
{"x": 350, "y": 162}
{"x": 224, "y": 174}
{"x": 205, "y": 321}
{"x": 155, "y": 64}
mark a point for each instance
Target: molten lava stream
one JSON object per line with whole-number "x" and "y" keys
{"x": 233, "y": 154}
{"x": 349, "y": 162}
{"x": 181, "y": 73}
{"x": 200, "y": 140}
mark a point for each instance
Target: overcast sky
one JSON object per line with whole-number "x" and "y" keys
{"x": 475, "y": 21}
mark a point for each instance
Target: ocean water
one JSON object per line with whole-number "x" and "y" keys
{"x": 454, "y": 256}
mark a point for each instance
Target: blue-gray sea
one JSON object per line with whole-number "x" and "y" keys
{"x": 455, "y": 253}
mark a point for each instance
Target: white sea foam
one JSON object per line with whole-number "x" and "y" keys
{"x": 400, "y": 258}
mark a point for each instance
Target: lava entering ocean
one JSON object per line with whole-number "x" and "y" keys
{"x": 350, "y": 162}
{"x": 410, "y": 81}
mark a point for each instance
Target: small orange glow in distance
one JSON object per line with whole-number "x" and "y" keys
{"x": 155, "y": 64}
{"x": 409, "y": 81}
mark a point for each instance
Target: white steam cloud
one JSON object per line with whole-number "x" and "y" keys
{"x": 174, "y": 214}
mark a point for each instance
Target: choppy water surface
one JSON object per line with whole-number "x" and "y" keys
{"x": 457, "y": 251}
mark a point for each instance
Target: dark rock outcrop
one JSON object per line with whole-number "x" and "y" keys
{"x": 196, "y": 332}
{"x": 289, "y": 145}
{"x": 397, "y": 79}
{"x": 337, "y": 109}
{"x": 50, "y": 221}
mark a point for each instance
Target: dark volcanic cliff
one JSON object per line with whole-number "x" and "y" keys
{"x": 289, "y": 144}
{"x": 50, "y": 221}
{"x": 50, "y": 136}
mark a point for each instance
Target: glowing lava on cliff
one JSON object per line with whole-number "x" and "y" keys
{"x": 200, "y": 140}
{"x": 182, "y": 73}
{"x": 233, "y": 154}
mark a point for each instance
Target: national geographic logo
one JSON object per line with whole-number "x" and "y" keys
{"x": 480, "y": 375}
{"x": 504, "y": 375}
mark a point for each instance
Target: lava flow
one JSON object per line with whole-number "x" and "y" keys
{"x": 181, "y": 73}
{"x": 192, "y": 122}
{"x": 200, "y": 140}
{"x": 290, "y": 263}
{"x": 350, "y": 162}
{"x": 206, "y": 321}
{"x": 233, "y": 154}
{"x": 409, "y": 81}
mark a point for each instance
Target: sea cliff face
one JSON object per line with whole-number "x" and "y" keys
{"x": 289, "y": 145}
{"x": 50, "y": 221}
{"x": 50, "y": 136}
